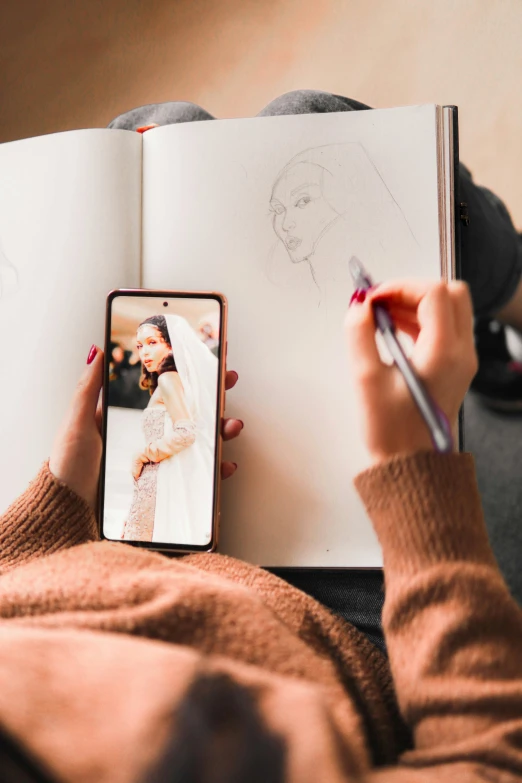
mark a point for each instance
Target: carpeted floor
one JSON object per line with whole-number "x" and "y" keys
{"x": 495, "y": 440}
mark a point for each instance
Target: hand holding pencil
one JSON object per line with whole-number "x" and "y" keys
{"x": 438, "y": 316}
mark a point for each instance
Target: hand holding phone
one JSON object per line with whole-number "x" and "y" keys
{"x": 77, "y": 449}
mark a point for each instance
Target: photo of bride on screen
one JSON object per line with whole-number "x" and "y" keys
{"x": 173, "y": 461}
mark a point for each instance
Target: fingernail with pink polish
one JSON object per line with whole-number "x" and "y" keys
{"x": 358, "y": 296}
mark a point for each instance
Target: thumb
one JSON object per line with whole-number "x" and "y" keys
{"x": 85, "y": 399}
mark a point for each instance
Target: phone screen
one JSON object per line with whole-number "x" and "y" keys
{"x": 161, "y": 419}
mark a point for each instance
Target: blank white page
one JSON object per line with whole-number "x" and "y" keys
{"x": 268, "y": 211}
{"x": 70, "y": 231}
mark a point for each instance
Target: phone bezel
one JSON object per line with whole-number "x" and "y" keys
{"x": 220, "y": 403}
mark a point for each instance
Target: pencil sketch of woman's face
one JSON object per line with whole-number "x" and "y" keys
{"x": 301, "y": 213}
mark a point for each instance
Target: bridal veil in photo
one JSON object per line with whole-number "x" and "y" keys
{"x": 185, "y": 483}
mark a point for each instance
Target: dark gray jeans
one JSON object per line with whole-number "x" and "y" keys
{"x": 491, "y": 264}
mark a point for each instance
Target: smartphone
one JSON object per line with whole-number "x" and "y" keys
{"x": 163, "y": 401}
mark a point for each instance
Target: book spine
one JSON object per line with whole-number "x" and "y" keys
{"x": 457, "y": 221}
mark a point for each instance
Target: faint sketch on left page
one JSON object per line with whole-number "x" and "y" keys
{"x": 9, "y": 280}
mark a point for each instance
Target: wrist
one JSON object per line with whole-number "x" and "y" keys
{"x": 383, "y": 454}
{"x": 47, "y": 517}
{"x": 425, "y": 509}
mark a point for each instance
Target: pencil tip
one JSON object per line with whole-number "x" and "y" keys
{"x": 355, "y": 266}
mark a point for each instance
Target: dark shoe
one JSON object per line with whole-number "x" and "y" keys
{"x": 498, "y": 382}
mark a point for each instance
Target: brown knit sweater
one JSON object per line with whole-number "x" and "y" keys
{"x": 99, "y": 642}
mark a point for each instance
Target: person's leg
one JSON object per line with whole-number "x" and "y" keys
{"x": 492, "y": 260}
{"x": 357, "y": 595}
{"x": 169, "y": 113}
{"x": 511, "y": 313}
{"x": 491, "y": 252}
{"x": 492, "y": 264}
{"x": 310, "y": 102}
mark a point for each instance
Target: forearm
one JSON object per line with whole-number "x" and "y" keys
{"x": 453, "y": 632}
{"x": 47, "y": 517}
{"x": 182, "y": 436}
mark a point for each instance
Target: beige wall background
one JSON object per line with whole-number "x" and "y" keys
{"x": 78, "y": 64}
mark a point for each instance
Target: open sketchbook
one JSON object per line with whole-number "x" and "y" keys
{"x": 268, "y": 211}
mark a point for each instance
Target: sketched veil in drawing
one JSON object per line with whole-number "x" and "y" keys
{"x": 8, "y": 275}
{"x": 335, "y": 185}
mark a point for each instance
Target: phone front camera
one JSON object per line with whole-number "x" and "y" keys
{"x": 165, "y": 304}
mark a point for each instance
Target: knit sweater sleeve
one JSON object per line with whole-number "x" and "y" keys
{"x": 454, "y": 633}
{"x": 47, "y": 517}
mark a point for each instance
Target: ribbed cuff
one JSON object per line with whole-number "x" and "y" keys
{"x": 47, "y": 517}
{"x": 426, "y": 509}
